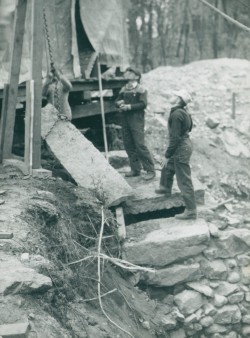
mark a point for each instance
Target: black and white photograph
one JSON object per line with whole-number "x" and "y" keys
{"x": 124, "y": 168}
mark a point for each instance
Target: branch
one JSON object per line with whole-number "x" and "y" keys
{"x": 117, "y": 261}
{"x": 222, "y": 203}
{"x": 99, "y": 279}
{"x": 225, "y": 16}
{"x": 103, "y": 295}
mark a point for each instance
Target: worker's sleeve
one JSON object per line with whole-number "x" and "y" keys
{"x": 67, "y": 86}
{"x": 118, "y": 99}
{"x": 142, "y": 101}
{"x": 176, "y": 136}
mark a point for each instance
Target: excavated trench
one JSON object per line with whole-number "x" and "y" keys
{"x": 150, "y": 215}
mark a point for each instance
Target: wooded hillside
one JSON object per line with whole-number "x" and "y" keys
{"x": 175, "y": 32}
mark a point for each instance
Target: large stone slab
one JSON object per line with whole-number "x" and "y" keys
{"x": 229, "y": 314}
{"x": 172, "y": 275}
{"x": 178, "y": 334}
{"x": 214, "y": 269}
{"x": 87, "y": 166}
{"x": 15, "y": 278}
{"x": 202, "y": 288}
{"x": 226, "y": 289}
{"x": 189, "y": 301}
{"x": 231, "y": 243}
{"x": 163, "y": 241}
{"x": 15, "y": 330}
{"x": 145, "y": 199}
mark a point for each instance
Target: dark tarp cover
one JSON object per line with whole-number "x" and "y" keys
{"x": 105, "y": 25}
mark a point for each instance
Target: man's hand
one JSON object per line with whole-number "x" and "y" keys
{"x": 120, "y": 103}
{"x": 164, "y": 163}
{"x": 125, "y": 107}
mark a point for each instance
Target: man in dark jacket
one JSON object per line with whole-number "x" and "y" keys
{"x": 178, "y": 154}
{"x": 132, "y": 101}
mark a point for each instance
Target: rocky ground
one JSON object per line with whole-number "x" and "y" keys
{"x": 221, "y": 143}
{"x": 201, "y": 283}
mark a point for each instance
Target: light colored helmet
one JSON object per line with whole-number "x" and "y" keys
{"x": 184, "y": 95}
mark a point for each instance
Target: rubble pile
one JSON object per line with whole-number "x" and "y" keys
{"x": 221, "y": 142}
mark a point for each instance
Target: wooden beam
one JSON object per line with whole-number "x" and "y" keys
{"x": 92, "y": 84}
{"x": 6, "y": 235}
{"x": 3, "y": 119}
{"x": 15, "y": 63}
{"x": 120, "y": 223}
{"x": 82, "y": 85}
{"x": 29, "y": 125}
{"x": 102, "y": 110}
{"x": 36, "y": 75}
{"x": 91, "y": 109}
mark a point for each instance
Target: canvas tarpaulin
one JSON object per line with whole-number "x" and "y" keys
{"x": 61, "y": 32}
{"x": 105, "y": 26}
{"x": 101, "y": 19}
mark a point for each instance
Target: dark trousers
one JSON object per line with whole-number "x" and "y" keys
{"x": 134, "y": 143}
{"x": 179, "y": 165}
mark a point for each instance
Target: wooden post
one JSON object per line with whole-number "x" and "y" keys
{"x": 36, "y": 75}
{"x": 233, "y": 105}
{"x": 16, "y": 54}
{"x": 3, "y": 119}
{"x": 120, "y": 223}
{"x": 29, "y": 125}
{"x": 102, "y": 109}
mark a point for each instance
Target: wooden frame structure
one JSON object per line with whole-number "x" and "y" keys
{"x": 33, "y": 89}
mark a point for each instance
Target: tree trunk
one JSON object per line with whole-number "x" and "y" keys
{"x": 186, "y": 35}
{"x": 215, "y": 33}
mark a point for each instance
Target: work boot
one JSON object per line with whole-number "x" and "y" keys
{"x": 132, "y": 173}
{"x": 187, "y": 214}
{"x": 161, "y": 190}
{"x": 149, "y": 175}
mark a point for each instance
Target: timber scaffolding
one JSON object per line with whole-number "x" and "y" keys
{"x": 84, "y": 163}
{"x": 79, "y": 97}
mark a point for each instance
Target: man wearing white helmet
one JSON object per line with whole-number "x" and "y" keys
{"x": 178, "y": 154}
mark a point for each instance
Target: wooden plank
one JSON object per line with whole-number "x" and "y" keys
{"x": 6, "y": 235}
{"x": 92, "y": 109}
{"x": 82, "y": 85}
{"x": 102, "y": 110}
{"x": 3, "y": 119}
{"x": 120, "y": 223}
{"x": 36, "y": 75}
{"x": 17, "y": 44}
{"x": 92, "y": 84}
{"x": 29, "y": 125}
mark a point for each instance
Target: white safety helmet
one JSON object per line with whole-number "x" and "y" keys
{"x": 184, "y": 95}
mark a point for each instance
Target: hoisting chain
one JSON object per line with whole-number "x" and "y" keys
{"x": 53, "y": 71}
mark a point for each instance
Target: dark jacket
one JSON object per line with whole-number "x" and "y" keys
{"x": 136, "y": 97}
{"x": 179, "y": 125}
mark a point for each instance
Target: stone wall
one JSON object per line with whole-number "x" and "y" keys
{"x": 202, "y": 274}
